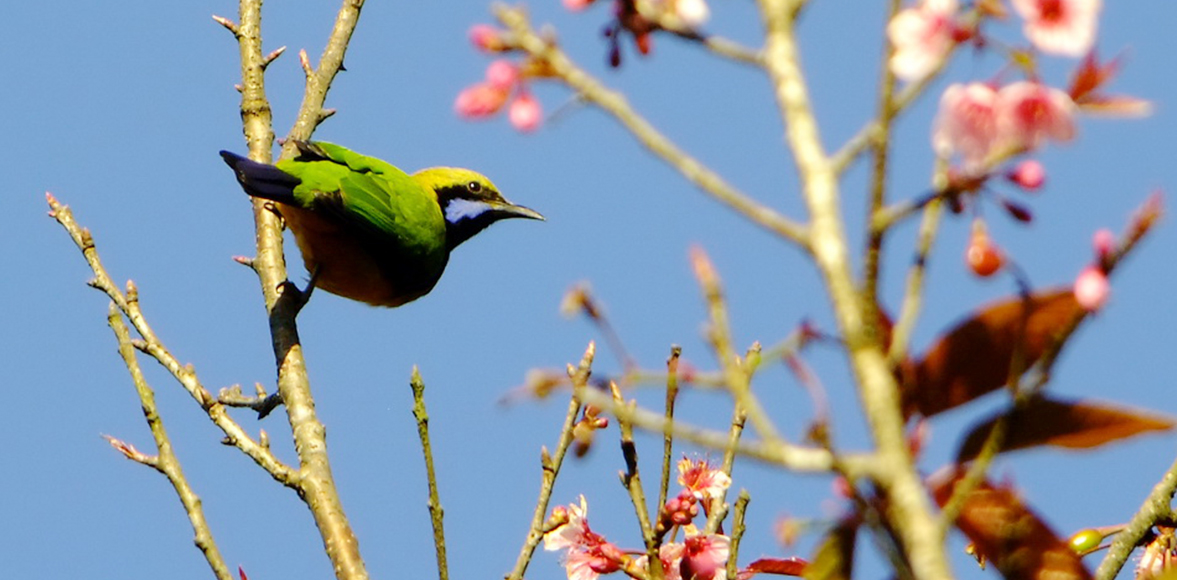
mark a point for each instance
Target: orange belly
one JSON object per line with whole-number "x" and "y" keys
{"x": 344, "y": 264}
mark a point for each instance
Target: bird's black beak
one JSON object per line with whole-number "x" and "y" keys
{"x": 509, "y": 210}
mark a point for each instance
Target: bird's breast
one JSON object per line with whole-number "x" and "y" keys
{"x": 356, "y": 264}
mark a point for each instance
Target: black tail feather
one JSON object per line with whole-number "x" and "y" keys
{"x": 262, "y": 180}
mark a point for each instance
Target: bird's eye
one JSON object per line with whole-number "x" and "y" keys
{"x": 474, "y": 187}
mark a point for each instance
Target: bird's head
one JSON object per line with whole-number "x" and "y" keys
{"x": 469, "y": 202}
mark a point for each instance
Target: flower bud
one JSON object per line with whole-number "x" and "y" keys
{"x": 1092, "y": 288}
{"x": 983, "y": 256}
{"x": 525, "y": 113}
{"x": 1028, "y": 175}
{"x": 487, "y": 38}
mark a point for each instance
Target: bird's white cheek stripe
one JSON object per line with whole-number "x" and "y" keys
{"x": 459, "y": 209}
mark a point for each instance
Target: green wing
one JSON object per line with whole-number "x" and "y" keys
{"x": 368, "y": 193}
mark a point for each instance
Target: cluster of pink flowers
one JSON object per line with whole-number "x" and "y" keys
{"x": 699, "y": 556}
{"x": 924, "y": 34}
{"x": 503, "y": 81}
{"x": 505, "y": 85}
{"x": 986, "y": 125}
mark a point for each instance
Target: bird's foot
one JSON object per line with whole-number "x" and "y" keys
{"x": 273, "y": 208}
{"x": 301, "y": 296}
{"x": 298, "y": 297}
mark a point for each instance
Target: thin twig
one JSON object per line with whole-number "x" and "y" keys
{"x": 667, "y": 438}
{"x": 551, "y": 463}
{"x": 718, "y": 511}
{"x": 631, "y": 478}
{"x": 719, "y": 334}
{"x": 592, "y": 91}
{"x": 878, "y": 183}
{"x": 310, "y": 113}
{"x": 795, "y": 457}
{"x": 166, "y": 462}
{"x": 738, "y": 529}
{"x": 1156, "y": 507}
{"x": 913, "y": 293}
{"x": 436, "y": 512}
{"x": 661, "y": 17}
{"x": 718, "y": 507}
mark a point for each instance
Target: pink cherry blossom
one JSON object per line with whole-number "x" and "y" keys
{"x": 1065, "y": 27}
{"x": 572, "y": 533}
{"x": 588, "y": 554}
{"x": 480, "y": 100}
{"x": 576, "y": 5}
{"x": 1092, "y": 288}
{"x": 1029, "y": 112}
{"x": 705, "y": 556}
{"x": 526, "y": 115}
{"x": 922, "y": 36}
{"x": 966, "y": 123}
{"x": 701, "y": 479}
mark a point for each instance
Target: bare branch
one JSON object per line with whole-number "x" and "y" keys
{"x": 436, "y": 513}
{"x": 166, "y": 462}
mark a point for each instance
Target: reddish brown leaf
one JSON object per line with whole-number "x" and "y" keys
{"x": 1005, "y": 532}
{"x": 974, "y": 358}
{"x": 834, "y": 558}
{"x": 1070, "y": 424}
{"x": 778, "y": 566}
{"x": 1090, "y": 76}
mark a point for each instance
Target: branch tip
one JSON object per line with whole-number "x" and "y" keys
{"x": 305, "y": 61}
{"x": 269, "y": 58}
{"x": 228, "y": 24}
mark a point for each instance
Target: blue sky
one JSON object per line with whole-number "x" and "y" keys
{"x": 119, "y": 110}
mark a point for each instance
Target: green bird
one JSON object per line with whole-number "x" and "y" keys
{"x": 367, "y": 230}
